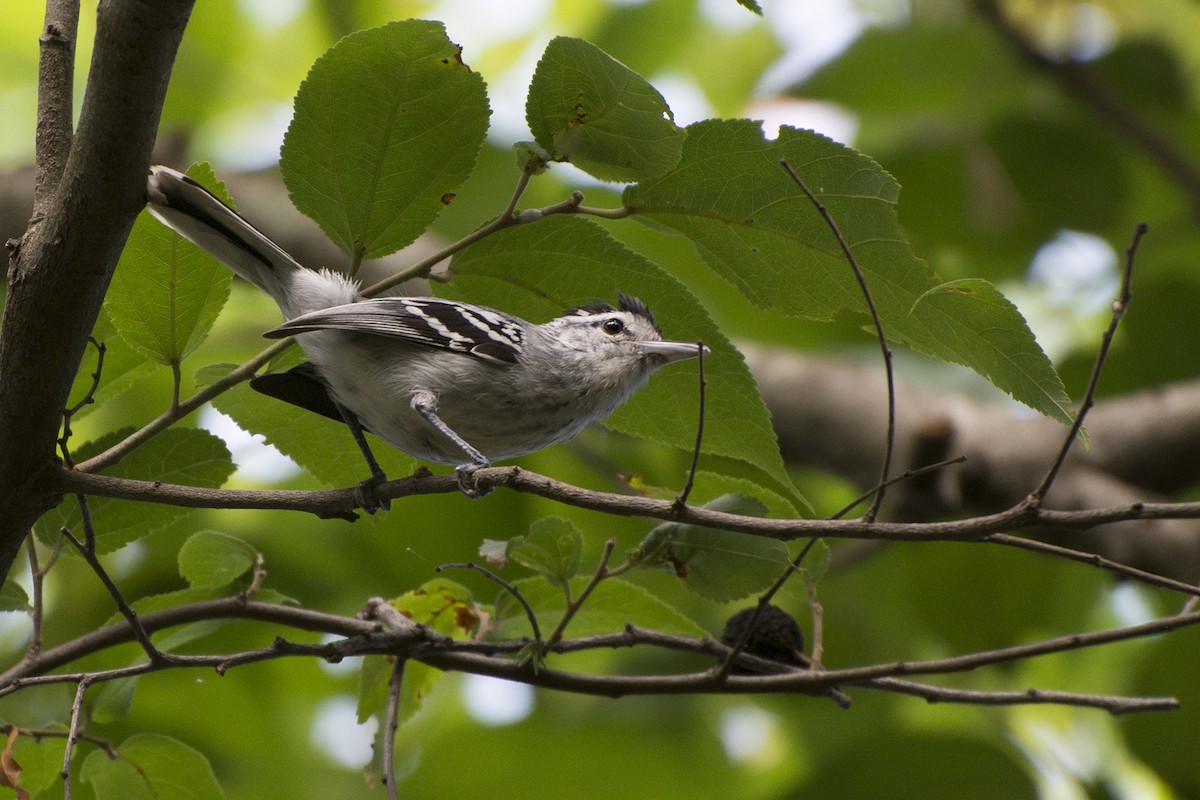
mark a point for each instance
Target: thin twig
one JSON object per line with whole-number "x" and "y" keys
{"x": 88, "y": 398}
{"x": 87, "y": 549}
{"x": 940, "y": 694}
{"x": 1119, "y": 307}
{"x": 37, "y": 579}
{"x": 763, "y": 601}
{"x": 817, "y": 647}
{"x": 533, "y": 164}
{"x": 507, "y": 218}
{"x": 390, "y": 725}
{"x": 244, "y": 372}
{"x": 1093, "y": 559}
{"x": 604, "y": 213}
{"x": 573, "y": 607}
{"x": 367, "y": 638}
{"x": 508, "y": 587}
{"x": 256, "y": 578}
{"x": 889, "y": 444}
{"x": 73, "y": 734}
{"x": 176, "y": 383}
{"x": 908, "y": 474}
{"x": 682, "y": 497}
{"x": 37, "y": 734}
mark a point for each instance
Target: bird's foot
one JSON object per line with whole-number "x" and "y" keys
{"x": 467, "y": 483}
{"x": 366, "y": 497}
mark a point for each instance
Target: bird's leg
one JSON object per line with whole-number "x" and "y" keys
{"x": 365, "y": 493}
{"x": 425, "y": 404}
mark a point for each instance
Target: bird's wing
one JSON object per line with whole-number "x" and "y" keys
{"x": 471, "y": 330}
{"x": 301, "y": 386}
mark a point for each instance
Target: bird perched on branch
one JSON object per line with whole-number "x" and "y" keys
{"x": 447, "y": 382}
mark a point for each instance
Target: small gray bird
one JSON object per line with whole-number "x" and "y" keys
{"x": 446, "y": 382}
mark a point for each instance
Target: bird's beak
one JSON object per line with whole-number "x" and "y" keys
{"x": 667, "y": 352}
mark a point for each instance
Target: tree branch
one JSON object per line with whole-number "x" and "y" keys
{"x": 60, "y": 271}
{"x": 1081, "y": 83}
{"x": 340, "y": 503}
{"x": 494, "y": 659}
{"x": 55, "y": 119}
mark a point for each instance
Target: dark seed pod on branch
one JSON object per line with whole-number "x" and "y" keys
{"x": 776, "y": 636}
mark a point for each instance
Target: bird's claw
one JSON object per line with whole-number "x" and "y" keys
{"x": 467, "y": 484}
{"x": 365, "y": 497}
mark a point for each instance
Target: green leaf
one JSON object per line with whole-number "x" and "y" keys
{"x": 587, "y": 108}
{"x": 551, "y": 549}
{"x": 386, "y": 126}
{"x": 711, "y": 485}
{"x": 322, "y": 447}
{"x": 166, "y": 292}
{"x": 115, "y": 698}
{"x": 818, "y": 561}
{"x": 535, "y": 271}
{"x": 448, "y": 608}
{"x": 209, "y": 558}
{"x": 443, "y": 605}
{"x": 13, "y": 597}
{"x": 752, "y": 5}
{"x": 757, "y": 229}
{"x": 611, "y": 605}
{"x": 41, "y": 762}
{"x": 151, "y": 767}
{"x": 717, "y": 565}
{"x": 373, "y": 679}
{"x": 186, "y": 456}
{"x": 1004, "y": 353}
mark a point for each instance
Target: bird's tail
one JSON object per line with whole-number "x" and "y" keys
{"x": 198, "y": 216}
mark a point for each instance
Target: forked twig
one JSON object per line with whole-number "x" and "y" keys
{"x": 573, "y": 607}
{"x": 88, "y": 398}
{"x": 1119, "y": 307}
{"x": 889, "y": 444}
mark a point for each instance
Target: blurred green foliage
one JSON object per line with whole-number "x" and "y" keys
{"x": 993, "y": 159}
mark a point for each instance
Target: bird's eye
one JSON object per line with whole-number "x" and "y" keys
{"x": 613, "y": 326}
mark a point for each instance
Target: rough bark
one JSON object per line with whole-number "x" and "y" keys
{"x": 61, "y": 267}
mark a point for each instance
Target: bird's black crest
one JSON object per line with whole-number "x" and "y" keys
{"x": 625, "y": 302}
